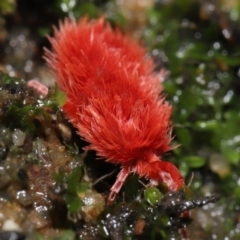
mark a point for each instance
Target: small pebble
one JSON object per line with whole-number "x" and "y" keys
{"x": 94, "y": 205}
{"x": 65, "y": 131}
{"x": 10, "y": 225}
{"x": 18, "y": 137}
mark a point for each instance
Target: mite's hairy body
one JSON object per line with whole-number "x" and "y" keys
{"x": 114, "y": 100}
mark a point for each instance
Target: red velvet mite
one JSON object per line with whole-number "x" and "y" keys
{"x": 114, "y": 100}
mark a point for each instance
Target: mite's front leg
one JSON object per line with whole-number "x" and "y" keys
{"x": 121, "y": 178}
{"x": 38, "y": 87}
{"x": 171, "y": 176}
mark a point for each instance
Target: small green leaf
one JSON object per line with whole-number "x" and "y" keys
{"x": 73, "y": 180}
{"x": 152, "y": 195}
{"x": 73, "y": 202}
{"x": 59, "y": 96}
{"x": 83, "y": 187}
{"x": 194, "y": 161}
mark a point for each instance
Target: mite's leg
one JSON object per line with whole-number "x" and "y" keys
{"x": 38, "y": 87}
{"x": 174, "y": 181}
{"x": 170, "y": 175}
{"x": 121, "y": 178}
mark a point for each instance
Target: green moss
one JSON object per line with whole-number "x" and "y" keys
{"x": 152, "y": 195}
{"x": 201, "y": 86}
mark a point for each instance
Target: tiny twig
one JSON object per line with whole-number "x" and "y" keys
{"x": 143, "y": 183}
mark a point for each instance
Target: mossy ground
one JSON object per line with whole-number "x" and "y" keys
{"x": 48, "y": 184}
